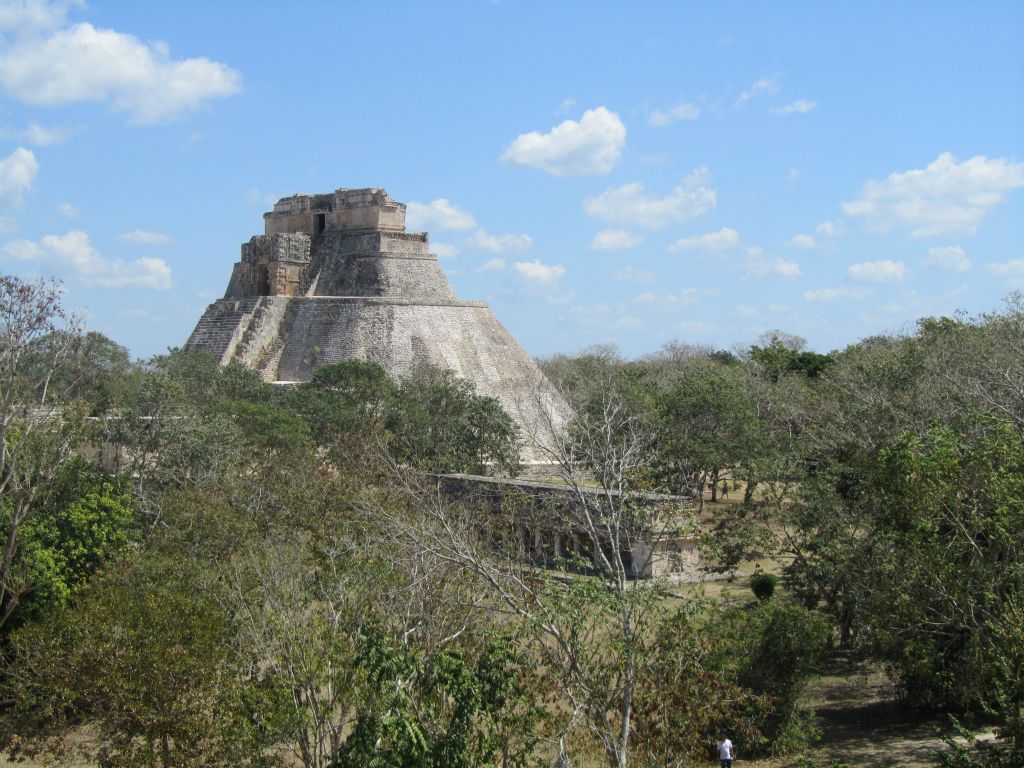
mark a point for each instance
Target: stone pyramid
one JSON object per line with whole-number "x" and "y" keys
{"x": 336, "y": 277}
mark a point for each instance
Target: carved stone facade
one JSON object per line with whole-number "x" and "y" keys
{"x": 336, "y": 277}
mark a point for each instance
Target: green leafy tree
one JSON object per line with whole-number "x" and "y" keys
{"x": 440, "y": 424}
{"x": 85, "y": 517}
{"x": 147, "y": 659}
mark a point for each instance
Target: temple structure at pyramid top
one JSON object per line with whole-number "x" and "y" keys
{"x": 336, "y": 277}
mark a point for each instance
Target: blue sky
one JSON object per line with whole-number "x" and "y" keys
{"x": 632, "y": 173}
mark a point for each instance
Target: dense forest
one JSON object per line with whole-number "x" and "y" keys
{"x": 203, "y": 569}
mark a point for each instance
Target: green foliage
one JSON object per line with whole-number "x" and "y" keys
{"x": 763, "y": 584}
{"x": 946, "y": 554}
{"x": 147, "y": 658}
{"x": 777, "y": 359}
{"x": 771, "y": 649}
{"x": 440, "y": 424}
{"x": 439, "y": 711}
{"x": 85, "y": 518}
{"x": 683, "y": 702}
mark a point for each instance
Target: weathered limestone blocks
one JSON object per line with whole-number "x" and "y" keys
{"x": 271, "y": 265}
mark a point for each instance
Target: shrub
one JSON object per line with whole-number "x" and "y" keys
{"x": 763, "y": 584}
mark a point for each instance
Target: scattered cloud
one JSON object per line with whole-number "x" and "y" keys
{"x": 606, "y": 317}
{"x": 443, "y": 250}
{"x": 145, "y": 237}
{"x": 830, "y": 229}
{"x": 883, "y": 271}
{"x": 68, "y": 211}
{"x": 30, "y": 17}
{"x": 17, "y": 172}
{"x": 721, "y": 240}
{"x": 766, "y": 85}
{"x": 682, "y": 111}
{"x": 38, "y": 135}
{"x": 566, "y": 106}
{"x": 439, "y": 215}
{"x": 482, "y": 241}
{"x": 631, "y": 275}
{"x": 492, "y": 265}
{"x": 74, "y": 251}
{"x": 615, "y": 240}
{"x": 536, "y": 271}
{"x": 591, "y": 146}
{"x": 666, "y": 302}
{"x": 22, "y": 250}
{"x": 950, "y": 258}
{"x": 48, "y": 63}
{"x": 630, "y": 205}
{"x": 836, "y": 294}
{"x": 794, "y": 175}
{"x": 1012, "y": 270}
{"x": 798, "y": 107}
{"x": 944, "y": 198}
{"x": 803, "y": 241}
{"x": 756, "y": 266}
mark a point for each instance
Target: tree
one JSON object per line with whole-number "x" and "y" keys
{"x": 148, "y": 659}
{"x": 708, "y": 426}
{"x": 37, "y": 434}
{"x": 591, "y": 633}
{"x": 83, "y": 518}
{"x": 440, "y": 424}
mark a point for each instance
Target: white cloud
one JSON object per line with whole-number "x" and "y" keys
{"x": 535, "y": 270}
{"x": 721, "y": 240}
{"x": 803, "y": 241}
{"x": 834, "y": 294}
{"x": 756, "y": 266}
{"x": 68, "y": 211}
{"x": 615, "y": 240}
{"x": 1012, "y": 269}
{"x": 482, "y": 241}
{"x": 439, "y": 215}
{"x": 75, "y": 252}
{"x": 443, "y": 250}
{"x": 883, "y": 271}
{"x": 145, "y": 237}
{"x": 681, "y": 111}
{"x": 17, "y": 172}
{"x": 631, "y": 275}
{"x": 946, "y": 197}
{"x": 23, "y": 250}
{"x": 30, "y": 17}
{"x": 493, "y": 265}
{"x": 798, "y": 107}
{"x": 950, "y": 258}
{"x": 629, "y": 205}
{"x": 566, "y": 106}
{"x": 37, "y": 135}
{"x": 588, "y": 147}
{"x": 82, "y": 63}
{"x": 762, "y": 86}
{"x": 830, "y": 229}
{"x": 666, "y": 302}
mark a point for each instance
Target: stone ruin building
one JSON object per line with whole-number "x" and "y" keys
{"x": 336, "y": 277}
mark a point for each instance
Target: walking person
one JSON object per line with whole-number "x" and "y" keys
{"x": 725, "y": 753}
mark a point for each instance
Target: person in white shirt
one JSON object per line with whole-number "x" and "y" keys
{"x": 725, "y": 753}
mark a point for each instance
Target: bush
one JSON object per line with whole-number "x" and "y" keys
{"x": 763, "y": 584}
{"x": 772, "y": 650}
